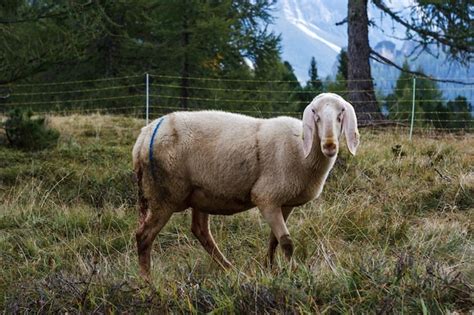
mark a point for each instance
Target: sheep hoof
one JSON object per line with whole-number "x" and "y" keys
{"x": 287, "y": 246}
{"x": 145, "y": 276}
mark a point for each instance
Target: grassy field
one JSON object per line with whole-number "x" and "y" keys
{"x": 391, "y": 233}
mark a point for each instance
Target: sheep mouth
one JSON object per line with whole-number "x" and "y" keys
{"x": 330, "y": 153}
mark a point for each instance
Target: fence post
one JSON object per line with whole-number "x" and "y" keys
{"x": 413, "y": 108}
{"x": 147, "y": 82}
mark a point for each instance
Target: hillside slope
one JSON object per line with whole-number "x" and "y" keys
{"x": 392, "y": 231}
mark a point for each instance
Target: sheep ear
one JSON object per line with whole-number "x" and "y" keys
{"x": 308, "y": 130}
{"x": 349, "y": 124}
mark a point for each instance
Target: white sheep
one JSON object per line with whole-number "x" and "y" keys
{"x": 221, "y": 163}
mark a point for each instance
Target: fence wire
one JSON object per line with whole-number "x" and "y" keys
{"x": 259, "y": 98}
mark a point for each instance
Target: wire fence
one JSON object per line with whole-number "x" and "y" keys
{"x": 150, "y": 96}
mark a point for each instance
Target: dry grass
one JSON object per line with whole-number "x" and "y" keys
{"x": 392, "y": 233}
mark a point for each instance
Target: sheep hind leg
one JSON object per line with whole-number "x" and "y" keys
{"x": 273, "y": 243}
{"x": 146, "y": 233}
{"x": 200, "y": 228}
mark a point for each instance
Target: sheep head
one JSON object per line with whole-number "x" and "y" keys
{"x": 324, "y": 119}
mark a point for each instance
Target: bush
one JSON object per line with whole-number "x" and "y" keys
{"x": 29, "y": 133}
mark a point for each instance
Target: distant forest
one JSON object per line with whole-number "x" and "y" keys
{"x": 199, "y": 54}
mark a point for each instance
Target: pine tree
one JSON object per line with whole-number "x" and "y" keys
{"x": 428, "y": 99}
{"x": 339, "y": 86}
{"x": 342, "y": 64}
{"x": 459, "y": 110}
{"x": 314, "y": 82}
{"x": 183, "y": 38}
{"x": 313, "y": 87}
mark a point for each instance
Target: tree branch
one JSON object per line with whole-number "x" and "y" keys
{"x": 458, "y": 43}
{"x": 39, "y": 67}
{"x": 344, "y": 21}
{"x": 379, "y": 58}
{"x": 435, "y": 35}
{"x": 44, "y": 16}
{"x": 34, "y": 19}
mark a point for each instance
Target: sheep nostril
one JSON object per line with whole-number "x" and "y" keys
{"x": 331, "y": 146}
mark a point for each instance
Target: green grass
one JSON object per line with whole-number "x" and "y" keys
{"x": 392, "y": 233}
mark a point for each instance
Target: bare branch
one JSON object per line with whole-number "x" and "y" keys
{"x": 379, "y": 58}
{"x": 344, "y": 21}
{"x": 460, "y": 44}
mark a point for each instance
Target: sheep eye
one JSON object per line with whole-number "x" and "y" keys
{"x": 312, "y": 109}
{"x": 339, "y": 117}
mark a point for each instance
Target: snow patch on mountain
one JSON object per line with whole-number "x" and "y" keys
{"x": 294, "y": 15}
{"x": 301, "y": 25}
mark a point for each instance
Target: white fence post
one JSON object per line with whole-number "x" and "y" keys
{"x": 413, "y": 108}
{"x": 147, "y": 80}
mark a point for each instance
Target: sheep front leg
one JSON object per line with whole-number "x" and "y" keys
{"x": 200, "y": 228}
{"x": 146, "y": 233}
{"x": 272, "y": 245}
{"x": 274, "y": 217}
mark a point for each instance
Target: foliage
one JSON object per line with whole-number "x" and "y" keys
{"x": 25, "y": 132}
{"x": 343, "y": 61}
{"x": 446, "y": 24}
{"x": 314, "y": 83}
{"x": 313, "y": 87}
{"x": 178, "y": 41}
{"x": 430, "y": 110}
{"x": 391, "y": 233}
{"x": 461, "y": 113}
{"x": 456, "y": 114}
{"x": 39, "y": 35}
{"x": 339, "y": 86}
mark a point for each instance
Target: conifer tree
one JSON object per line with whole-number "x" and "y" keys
{"x": 314, "y": 82}
{"x": 183, "y": 38}
{"x": 428, "y": 99}
{"x": 460, "y": 114}
{"x": 339, "y": 86}
{"x": 313, "y": 87}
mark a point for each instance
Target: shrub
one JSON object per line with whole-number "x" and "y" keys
{"x": 29, "y": 133}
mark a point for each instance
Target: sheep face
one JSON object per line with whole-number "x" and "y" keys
{"x": 324, "y": 119}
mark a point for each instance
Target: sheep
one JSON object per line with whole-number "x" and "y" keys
{"x": 220, "y": 163}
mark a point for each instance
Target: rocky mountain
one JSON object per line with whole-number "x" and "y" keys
{"x": 308, "y": 29}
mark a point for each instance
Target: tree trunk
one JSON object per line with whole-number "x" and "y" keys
{"x": 360, "y": 84}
